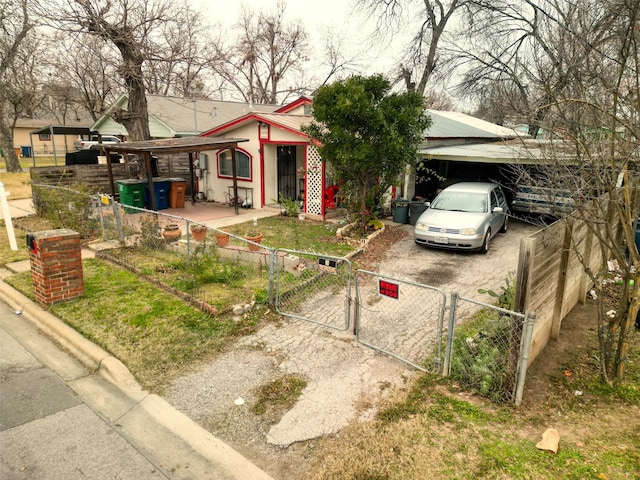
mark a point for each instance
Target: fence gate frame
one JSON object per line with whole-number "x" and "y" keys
{"x": 442, "y": 307}
{"x": 286, "y": 259}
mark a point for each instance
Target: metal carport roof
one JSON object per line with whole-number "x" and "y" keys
{"x": 173, "y": 145}
{"x": 57, "y": 130}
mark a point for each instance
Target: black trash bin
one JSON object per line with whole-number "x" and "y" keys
{"x": 415, "y": 210}
{"x": 401, "y": 210}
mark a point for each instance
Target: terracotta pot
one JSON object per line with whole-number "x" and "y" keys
{"x": 253, "y": 238}
{"x": 171, "y": 233}
{"x": 199, "y": 232}
{"x": 222, "y": 239}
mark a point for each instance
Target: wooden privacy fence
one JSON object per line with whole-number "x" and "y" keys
{"x": 96, "y": 176}
{"x": 551, "y": 279}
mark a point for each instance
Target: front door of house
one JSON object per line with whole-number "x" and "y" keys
{"x": 287, "y": 172}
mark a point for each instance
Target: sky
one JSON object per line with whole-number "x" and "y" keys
{"x": 318, "y": 17}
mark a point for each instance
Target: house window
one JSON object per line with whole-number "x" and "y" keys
{"x": 243, "y": 164}
{"x": 44, "y": 137}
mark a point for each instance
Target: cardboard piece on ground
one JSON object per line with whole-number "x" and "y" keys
{"x": 550, "y": 440}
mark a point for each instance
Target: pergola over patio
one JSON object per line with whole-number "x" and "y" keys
{"x": 190, "y": 145}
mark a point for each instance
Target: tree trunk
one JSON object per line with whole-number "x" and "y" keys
{"x": 10, "y": 157}
{"x": 136, "y": 117}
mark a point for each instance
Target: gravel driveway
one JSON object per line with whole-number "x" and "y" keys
{"x": 344, "y": 378}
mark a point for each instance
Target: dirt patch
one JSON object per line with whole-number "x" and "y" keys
{"x": 561, "y": 360}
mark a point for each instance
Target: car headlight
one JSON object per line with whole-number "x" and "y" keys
{"x": 421, "y": 226}
{"x": 468, "y": 231}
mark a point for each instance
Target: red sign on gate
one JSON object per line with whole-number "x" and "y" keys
{"x": 388, "y": 289}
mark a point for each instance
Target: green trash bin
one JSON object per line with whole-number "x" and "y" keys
{"x": 132, "y": 193}
{"x": 401, "y": 210}
{"x": 415, "y": 210}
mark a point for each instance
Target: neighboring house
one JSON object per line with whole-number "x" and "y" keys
{"x": 171, "y": 117}
{"x": 279, "y": 160}
{"x": 459, "y": 147}
{"x": 43, "y": 143}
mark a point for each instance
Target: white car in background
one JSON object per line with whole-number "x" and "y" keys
{"x": 82, "y": 144}
{"x": 464, "y": 216}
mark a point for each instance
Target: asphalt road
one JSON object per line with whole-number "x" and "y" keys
{"x": 46, "y": 429}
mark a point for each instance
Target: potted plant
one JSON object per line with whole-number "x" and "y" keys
{"x": 253, "y": 236}
{"x": 199, "y": 232}
{"x": 222, "y": 238}
{"x": 171, "y": 232}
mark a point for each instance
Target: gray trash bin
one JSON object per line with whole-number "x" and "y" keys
{"x": 415, "y": 210}
{"x": 401, "y": 210}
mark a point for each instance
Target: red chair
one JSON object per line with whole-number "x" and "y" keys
{"x": 330, "y": 196}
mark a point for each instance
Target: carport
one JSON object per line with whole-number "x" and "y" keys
{"x": 190, "y": 145}
{"x": 54, "y": 130}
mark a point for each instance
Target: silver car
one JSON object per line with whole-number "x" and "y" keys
{"x": 463, "y": 216}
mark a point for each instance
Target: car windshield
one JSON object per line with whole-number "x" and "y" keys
{"x": 461, "y": 202}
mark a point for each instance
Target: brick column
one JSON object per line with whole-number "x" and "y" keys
{"x": 56, "y": 266}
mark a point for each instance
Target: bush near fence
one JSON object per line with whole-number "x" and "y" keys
{"x": 487, "y": 353}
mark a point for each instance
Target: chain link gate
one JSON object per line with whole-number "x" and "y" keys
{"x": 400, "y": 318}
{"x": 313, "y": 287}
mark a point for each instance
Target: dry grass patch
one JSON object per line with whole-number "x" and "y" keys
{"x": 18, "y": 184}
{"x": 432, "y": 429}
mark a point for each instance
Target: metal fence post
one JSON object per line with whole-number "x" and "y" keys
{"x": 116, "y": 215}
{"x": 188, "y": 238}
{"x": 100, "y": 213}
{"x": 523, "y": 361}
{"x": 271, "y": 287}
{"x": 452, "y": 324}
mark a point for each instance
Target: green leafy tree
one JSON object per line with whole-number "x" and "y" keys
{"x": 368, "y": 135}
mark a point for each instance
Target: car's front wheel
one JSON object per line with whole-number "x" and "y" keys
{"x": 486, "y": 242}
{"x": 505, "y": 225}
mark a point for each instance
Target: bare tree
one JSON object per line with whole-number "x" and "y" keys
{"x": 593, "y": 115}
{"x": 524, "y": 54}
{"x": 266, "y": 53}
{"x": 424, "y": 56}
{"x": 90, "y": 75}
{"x": 132, "y": 27}
{"x": 183, "y": 64}
{"x": 16, "y": 97}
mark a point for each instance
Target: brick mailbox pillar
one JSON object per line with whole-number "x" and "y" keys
{"x": 56, "y": 265}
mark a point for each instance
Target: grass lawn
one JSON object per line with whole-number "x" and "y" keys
{"x": 151, "y": 331}
{"x": 18, "y": 184}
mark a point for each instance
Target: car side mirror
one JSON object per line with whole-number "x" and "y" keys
{"x": 498, "y": 210}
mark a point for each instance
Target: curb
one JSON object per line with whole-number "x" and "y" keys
{"x": 211, "y": 454}
{"x": 88, "y": 353}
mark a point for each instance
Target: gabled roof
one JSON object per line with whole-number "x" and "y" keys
{"x": 285, "y": 121}
{"x": 34, "y": 123}
{"x": 459, "y": 125}
{"x": 178, "y": 117}
{"x": 295, "y": 104}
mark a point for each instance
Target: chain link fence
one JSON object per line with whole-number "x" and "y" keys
{"x": 488, "y": 352}
{"x": 486, "y": 347}
{"x": 400, "y": 318}
{"x": 313, "y": 287}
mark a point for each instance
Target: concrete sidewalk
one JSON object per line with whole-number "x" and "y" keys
{"x": 59, "y": 410}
